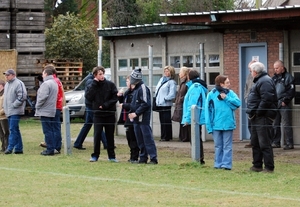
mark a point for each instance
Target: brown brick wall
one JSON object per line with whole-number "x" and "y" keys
{"x": 232, "y": 39}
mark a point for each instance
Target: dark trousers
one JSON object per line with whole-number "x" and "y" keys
{"x": 4, "y": 133}
{"x": 88, "y": 123}
{"x": 48, "y": 130}
{"x": 184, "y": 135}
{"x": 262, "y": 151}
{"x": 143, "y": 134}
{"x": 108, "y": 123}
{"x": 132, "y": 143}
{"x": 165, "y": 122}
{"x": 57, "y": 130}
{"x": 284, "y": 117}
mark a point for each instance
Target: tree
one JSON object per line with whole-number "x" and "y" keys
{"x": 71, "y": 37}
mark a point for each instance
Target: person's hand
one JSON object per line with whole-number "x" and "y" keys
{"x": 283, "y": 104}
{"x": 132, "y": 115}
{"x": 121, "y": 105}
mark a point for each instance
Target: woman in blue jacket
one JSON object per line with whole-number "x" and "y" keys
{"x": 196, "y": 95}
{"x": 220, "y": 105}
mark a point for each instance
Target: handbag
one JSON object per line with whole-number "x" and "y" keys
{"x": 154, "y": 106}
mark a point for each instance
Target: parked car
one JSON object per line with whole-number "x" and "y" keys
{"x": 75, "y": 99}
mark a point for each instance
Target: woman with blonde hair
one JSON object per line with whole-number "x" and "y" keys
{"x": 165, "y": 94}
{"x": 177, "y": 115}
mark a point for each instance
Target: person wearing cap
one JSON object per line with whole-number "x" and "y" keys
{"x": 102, "y": 93}
{"x": 140, "y": 114}
{"x": 165, "y": 93}
{"x": 15, "y": 96}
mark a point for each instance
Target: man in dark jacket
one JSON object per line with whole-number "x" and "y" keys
{"x": 285, "y": 90}
{"x": 140, "y": 114}
{"x": 261, "y": 108}
{"x": 88, "y": 122}
{"x": 103, "y": 95}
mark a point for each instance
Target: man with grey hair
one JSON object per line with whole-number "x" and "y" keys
{"x": 261, "y": 109}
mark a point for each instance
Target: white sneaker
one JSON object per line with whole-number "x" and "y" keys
{"x": 113, "y": 160}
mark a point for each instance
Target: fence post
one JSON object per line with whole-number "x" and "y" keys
{"x": 67, "y": 133}
{"x": 195, "y": 134}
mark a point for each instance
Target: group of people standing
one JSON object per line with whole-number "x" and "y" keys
{"x": 268, "y": 104}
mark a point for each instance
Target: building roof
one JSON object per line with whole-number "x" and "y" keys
{"x": 283, "y": 17}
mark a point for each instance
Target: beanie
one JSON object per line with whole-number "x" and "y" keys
{"x": 136, "y": 76}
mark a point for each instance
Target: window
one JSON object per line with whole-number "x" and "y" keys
{"x": 296, "y": 59}
{"x": 123, "y": 64}
{"x": 212, "y": 77}
{"x": 198, "y": 61}
{"x": 134, "y": 63}
{"x": 157, "y": 63}
{"x": 213, "y": 61}
{"x": 187, "y": 61}
{"x": 122, "y": 81}
{"x": 175, "y": 61}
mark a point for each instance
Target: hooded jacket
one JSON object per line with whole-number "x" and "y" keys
{"x": 219, "y": 113}
{"x": 196, "y": 95}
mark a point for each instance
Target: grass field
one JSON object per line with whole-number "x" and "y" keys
{"x": 34, "y": 180}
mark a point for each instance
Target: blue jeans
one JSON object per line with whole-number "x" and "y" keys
{"x": 49, "y": 132}
{"x": 144, "y": 138}
{"x": 88, "y": 123}
{"x": 15, "y": 138}
{"x": 57, "y": 130}
{"x": 223, "y": 148}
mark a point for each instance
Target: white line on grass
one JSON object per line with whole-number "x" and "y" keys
{"x": 155, "y": 184}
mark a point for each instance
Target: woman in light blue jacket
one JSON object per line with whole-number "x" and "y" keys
{"x": 165, "y": 94}
{"x": 196, "y": 95}
{"x": 220, "y": 105}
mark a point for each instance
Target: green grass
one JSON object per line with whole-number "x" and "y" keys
{"x": 34, "y": 180}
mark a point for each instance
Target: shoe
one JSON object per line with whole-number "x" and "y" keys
{"x": 113, "y": 160}
{"x": 164, "y": 140}
{"x": 93, "y": 159}
{"x": 267, "y": 171}
{"x": 134, "y": 161}
{"x": 288, "y": 147}
{"x": 202, "y": 162}
{"x": 275, "y": 145}
{"x": 7, "y": 152}
{"x": 56, "y": 151}
{"x": 80, "y": 148}
{"x": 256, "y": 169}
{"x": 18, "y": 153}
{"x": 225, "y": 168}
{"x": 153, "y": 162}
{"x": 248, "y": 146}
{"x": 46, "y": 153}
{"x": 43, "y": 144}
{"x": 142, "y": 162}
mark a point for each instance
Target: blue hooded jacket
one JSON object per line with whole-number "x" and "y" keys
{"x": 196, "y": 95}
{"x": 219, "y": 114}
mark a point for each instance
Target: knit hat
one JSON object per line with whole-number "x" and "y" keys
{"x": 136, "y": 76}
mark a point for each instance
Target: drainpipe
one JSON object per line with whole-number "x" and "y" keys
{"x": 150, "y": 52}
{"x": 202, "y": 61}
{"x": 281, "y": 51}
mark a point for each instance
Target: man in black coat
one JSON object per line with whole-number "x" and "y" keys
{"x": 261, "y": 108}
{"x": 103, "y": 95}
